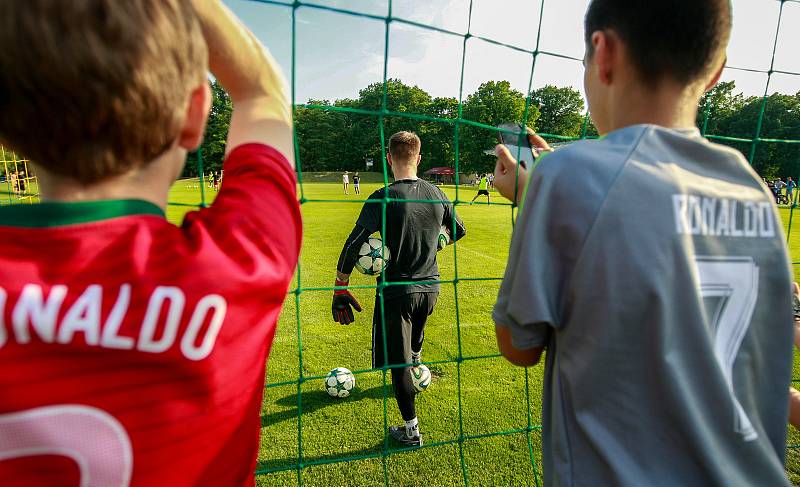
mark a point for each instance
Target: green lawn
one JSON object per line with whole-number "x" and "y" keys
{"x": 353, "y": 427}
{"x": 492, "y": 398}
{"x": 491, "y": 412}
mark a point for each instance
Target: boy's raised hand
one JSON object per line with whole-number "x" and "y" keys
{"x": 245, "y": 68}
{"x": 510, "y": 178}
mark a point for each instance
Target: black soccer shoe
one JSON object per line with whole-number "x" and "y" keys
{"x": 398, "y": 433}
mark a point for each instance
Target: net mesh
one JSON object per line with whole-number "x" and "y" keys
{"x": 21, "y": 184}
{"x": 295, "y": 294}
{"x": 458, "y": 123}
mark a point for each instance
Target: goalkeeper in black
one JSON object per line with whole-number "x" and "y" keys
{"x": 412, "y": 275}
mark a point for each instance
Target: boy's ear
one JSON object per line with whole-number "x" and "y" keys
{"x": 605, "y": 49}
{"x": 191, "y": 135}
{"x": 389, "y": 158}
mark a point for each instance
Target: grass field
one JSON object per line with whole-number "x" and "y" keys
{"x": 492, "y": 395}
{"x": 354, "y": 427}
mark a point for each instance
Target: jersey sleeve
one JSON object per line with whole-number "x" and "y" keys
{"x": 255, "y": 218}
{"x": 527, "y": 301}
{"x": 449, "y": 216}
{"x": 371, "y": 216}
{"x": 548, "y": 237}
{"x": 349, "y": 255}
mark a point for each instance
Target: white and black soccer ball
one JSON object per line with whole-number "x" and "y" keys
{"x": 372, "y": 257}
{"x": 340, "y": 382}
{"x": 421, "y": 377}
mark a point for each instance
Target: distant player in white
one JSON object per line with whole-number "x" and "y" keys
{"x": 345, "y": 181}
{"x": 665, "y": 310}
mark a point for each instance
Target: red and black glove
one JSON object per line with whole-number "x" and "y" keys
{"x": 342, "y": 302}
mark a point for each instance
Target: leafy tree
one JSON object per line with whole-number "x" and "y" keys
{"x": 322, "y": 138}
{"x": 399, "y": 98}
{"x": 494, "y": 103}
{"x": 330, "y": 140}
{"x": 591, "y": 130}
{"x": 717, "y": 107}
{"x": 561, "y": 110}
{"x": 781, "y": 121}
{"x": 438, "y": 144}
{"x": 216, "y": 134}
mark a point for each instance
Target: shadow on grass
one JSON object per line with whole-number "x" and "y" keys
{"x": 290, "y": 463}
{"x": 312, "y": 401}
{"x": 315, "y": 400}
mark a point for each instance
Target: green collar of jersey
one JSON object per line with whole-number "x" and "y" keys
{"x": 58, "y": 213}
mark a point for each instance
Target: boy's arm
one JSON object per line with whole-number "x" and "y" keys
{"x": 255, "y": 219}
{"x": 522, "y": 358}
{"x": 540, "y": 260}
{"x": 261, "y": 105}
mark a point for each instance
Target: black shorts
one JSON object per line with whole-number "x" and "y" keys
{"x": 483, "y": 191}
{"x": 405, "y": 327}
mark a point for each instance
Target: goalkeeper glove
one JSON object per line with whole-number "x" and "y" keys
{"x": 342, "y": 302}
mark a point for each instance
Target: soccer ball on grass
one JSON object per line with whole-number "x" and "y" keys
{"x": 372, "y": 257}
{"x": 340, "y": 382}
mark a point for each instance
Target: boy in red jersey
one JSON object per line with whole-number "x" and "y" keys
{"x": 132, "y": 350}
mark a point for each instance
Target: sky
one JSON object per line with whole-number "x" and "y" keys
{"x": 338, "y": 54}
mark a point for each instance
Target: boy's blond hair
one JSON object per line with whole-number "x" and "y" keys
{"x": 90, "y": 89}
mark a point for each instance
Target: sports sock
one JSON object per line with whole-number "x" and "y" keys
{"x": 412, "y": 428}
{"x": 416, "y": 356}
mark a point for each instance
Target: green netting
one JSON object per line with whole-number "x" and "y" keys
{"x": 457, "y": 123}
{"x": 459, "y": 441}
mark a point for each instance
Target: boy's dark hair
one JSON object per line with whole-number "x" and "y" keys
{"x": 90, "y": 89}
{"x": 677, "y": 39}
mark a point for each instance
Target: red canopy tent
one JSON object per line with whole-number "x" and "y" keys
{"x": 441, "y": 174}
{"x": 440, "y": 171}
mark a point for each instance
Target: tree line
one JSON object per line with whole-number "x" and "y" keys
{"x": 338, "y": 135}
{"x": 724, "y": 112}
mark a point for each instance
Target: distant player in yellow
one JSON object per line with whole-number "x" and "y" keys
{"x": 483, "y": 189}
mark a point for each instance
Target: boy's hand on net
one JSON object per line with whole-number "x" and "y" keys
{"x": 505, "y": 170}
{"x": 538, "y": 144}
{"x": 342, "y": 305}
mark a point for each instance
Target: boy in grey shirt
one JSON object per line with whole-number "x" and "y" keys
{"x": 665, "y": 311}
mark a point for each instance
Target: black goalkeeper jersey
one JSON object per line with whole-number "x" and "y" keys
{"x": 412, "y": 233}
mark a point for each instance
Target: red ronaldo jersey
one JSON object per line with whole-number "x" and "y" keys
{"x": 132, "y": 351}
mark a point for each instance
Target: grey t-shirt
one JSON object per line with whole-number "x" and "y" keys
{"x": 652, "y": 266}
